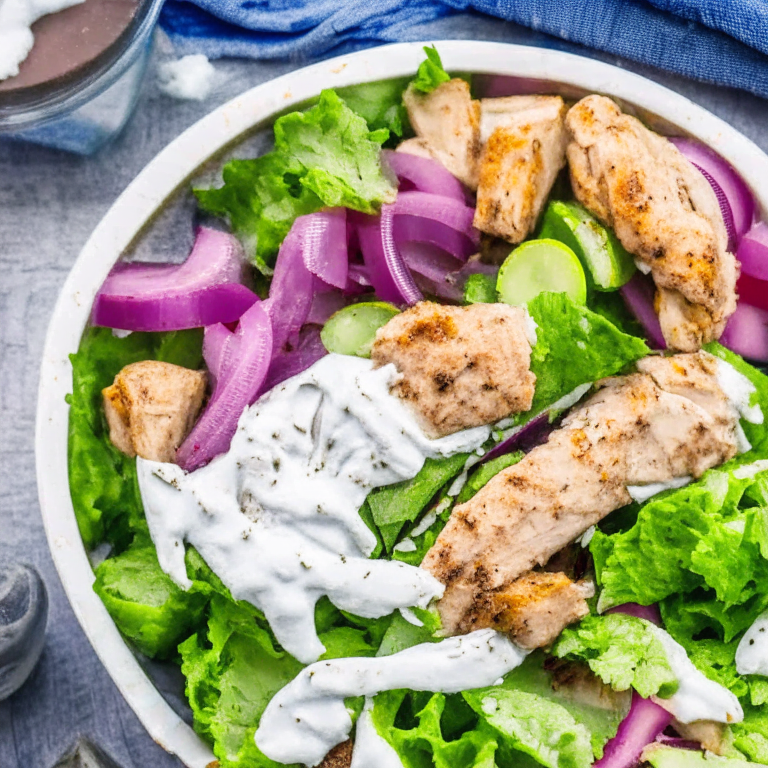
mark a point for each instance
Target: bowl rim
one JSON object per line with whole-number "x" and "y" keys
{"x": 171, "y": 168}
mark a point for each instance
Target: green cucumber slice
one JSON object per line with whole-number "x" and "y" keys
{"x": 352, "y": 330}
{"x": 607, "y": 263}
{"x": 538, "y": 266}
{"x": 480, "y": 289}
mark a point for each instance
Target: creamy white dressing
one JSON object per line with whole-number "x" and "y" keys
{"x": 643, "y": 267}
{"x": 752, "y": 652}
{"x": 641, "y": 493}
{"x": 16, "y": 38}
{"x": 750, "y": 470}
{"x": 372, "y": 750}
{"x": 307, "y": 718}
{"x": 276, "y": 517}
{"x": 739, "y": 390}
{"x": 697, "y": 697}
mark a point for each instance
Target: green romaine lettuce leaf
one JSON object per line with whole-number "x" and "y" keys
{"x": 102, "y": 481}
{"x": 323, "y": 156}
{"x": 622, "y": 651}
{"x": 395, "y": 505}
{"x": 430, "y": 72}
{"x": 380, "y": 103}
{"x": 661, "y": 756}
{"x": 694, "y": 540}
{"x": 573, "y": 346}
{"x": 147, "y": 607}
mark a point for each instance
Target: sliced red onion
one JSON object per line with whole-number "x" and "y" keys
{"x": 325, "y": 245}
{"x": 387, "y": 270}
{"x": 534, "y": 433}
{"x": 358, "y": 274}
{"x": 735, "y": 193}
{"x": 424, "y": 175}
{"x": 747, "y": 333}
{"x": 638, "y": 295}
{"x": 325, "y": 304}
{"x": 678, "y": 743}
{"x": 648, "y": 612}
{"x": 427, "y": 218}
{"x": 639, "y": 728}
{"x": 428, "y": 260}
{"x": 753, "y": 253}
{"x": 293, "y": 286}
{"x": 204, "y": 290}
{"x": 242, "y": 366}
{"x": 309, "y": 350}
{"x": 753, "y": 291}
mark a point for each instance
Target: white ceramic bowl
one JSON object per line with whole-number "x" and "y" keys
{"x": 172, "y": 168}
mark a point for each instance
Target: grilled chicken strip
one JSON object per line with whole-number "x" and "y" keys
{"x": 524, "y": 140}
{"x": 461, "y": 366}
{"x": 663, "y": 211}
{"x": 632, "y": 431}
{"x": 151, "y": 407}
{"x": 339, "y": 757}
{"x": 447, "y": 126}
{"x": 533, "y": 609}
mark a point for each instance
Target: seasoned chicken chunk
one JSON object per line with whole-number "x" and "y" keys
{"x": 663, "y": 211}
{"x": 447, "y": 126}
{"x": 630, "y": 432}
{"x": 461, "y": 366}
{"x": 713, "y": 737}
{"x": 151, "y": 407}
{"x": 524, "y": 141}
{"x": 533, "y": 609}
{"x": 339, "y": 757}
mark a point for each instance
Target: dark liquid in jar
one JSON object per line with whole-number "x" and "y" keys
{"x": 68, "y": 41}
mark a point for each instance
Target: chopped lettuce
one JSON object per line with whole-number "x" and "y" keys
{"x": 662, "y": 756}
{"x": 622, "y": 651}
{"x": 430, "y": 73}
{"x": 380, "y": 103}
{"x": 102, "y": 481}
{"x": 705, "y": 541}
{"x": 323, "y": 156}
{"x": 573, "y": 346}
{"x": 526, "y": 721}
{"x": 147, "y": 607}
{"x": 395, "y": 505}
{"x": 424, "y": 540}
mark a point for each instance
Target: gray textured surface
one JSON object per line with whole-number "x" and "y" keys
{"x": 49, "y": 203}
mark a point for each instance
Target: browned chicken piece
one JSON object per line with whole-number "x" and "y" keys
{"x": 447, "y": 125}
{"x": 339, "y": 757}
{"x": 577, "y": 683}
{"x": 524, "y": 140}
{"x": 713, "y": 737}
{"x": 151, "y": 407}
{"x": 533, "y": 609}
{"x": 664, "y": 213}
{"x": 461, "y": 366}
{"x": 630, "y": 432}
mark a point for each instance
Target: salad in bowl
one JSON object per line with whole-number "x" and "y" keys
{"x": 445, "y": 445}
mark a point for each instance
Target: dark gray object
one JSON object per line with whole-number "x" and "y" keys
{"x": 23, "y": 618}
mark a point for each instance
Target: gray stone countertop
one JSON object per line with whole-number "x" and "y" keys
{"x": 49, "y": 204}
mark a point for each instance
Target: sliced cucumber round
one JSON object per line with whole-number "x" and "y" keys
{"x": 607, "y": 263}
{"x": 538, "y": 266}
{"x": 352, "y": 330}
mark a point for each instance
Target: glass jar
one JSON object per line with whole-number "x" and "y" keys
{"x": 88, "y": 107}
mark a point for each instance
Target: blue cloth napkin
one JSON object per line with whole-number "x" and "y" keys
{"x": 717, "y": 41}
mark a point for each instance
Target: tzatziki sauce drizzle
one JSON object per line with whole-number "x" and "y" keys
{"x": 308, "y": 717}
{"x": 276, "y": 517}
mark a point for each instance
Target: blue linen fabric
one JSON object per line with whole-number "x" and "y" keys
{"x": 718, "y": 41}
